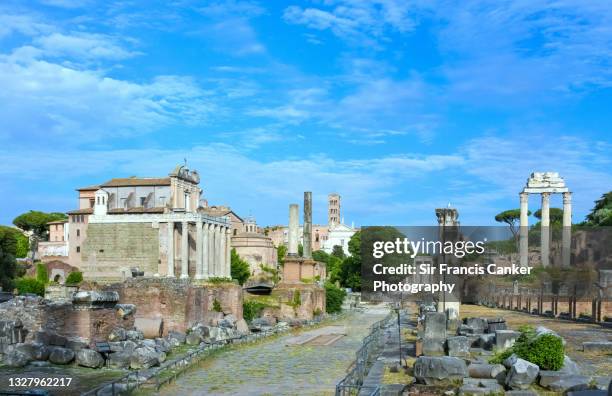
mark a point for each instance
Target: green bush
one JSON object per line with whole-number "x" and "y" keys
{"x": 334, "y": 296}
{"x": 218, "y": 280}
{"x": 217, "y": 306}
{"x": 30, "y": 285}
{"x": 546, "y": 350}
{"x": 41, "y": 273}
{"x": 74, "y": 278}
{"x": 252, "y": 309}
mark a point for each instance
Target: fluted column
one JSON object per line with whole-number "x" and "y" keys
{"x": 222, "y": 243}
{"x": 523, "y": 230}
{"x": 212, "y": 260}
{"x": 185, "y": 250}
{"x": 205, "y": 258}
{"x": 294, "y": 223}
{"x": 567, "y": 229}
{"x": 199, "y": 241}
{"x": 228, "y": 252}
{"x": 170, "y": 253}
{"x": 545, "y": 229}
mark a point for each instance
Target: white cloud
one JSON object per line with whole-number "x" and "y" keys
{"x": 23, "y": 24}
{"x": 82, "y": 46}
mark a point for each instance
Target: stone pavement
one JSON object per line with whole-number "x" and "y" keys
{"x": 273, "y": 367}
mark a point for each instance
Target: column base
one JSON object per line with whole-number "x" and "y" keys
{"x": 156, "y": 275}
{"x": 200, "y": 277}
{"x": 170, "y": 276}
{"x": 184, "y": 276}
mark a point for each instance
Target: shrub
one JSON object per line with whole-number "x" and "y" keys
{"x": 252, "y": 309}
{"x": 334, "y": 296}
{"x": 545, "y": 350}
{"x": 217, "y": 306}
{"x": 41, "y": 273}
{"x": 218, "y": 279}
{"x": 30, "y": 285}
{"x": 74, "y": 278}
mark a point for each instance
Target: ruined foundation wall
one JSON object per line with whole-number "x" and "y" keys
{"x": 179, "y": 303}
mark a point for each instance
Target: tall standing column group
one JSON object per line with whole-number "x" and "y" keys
{"x": 212, "y": 249}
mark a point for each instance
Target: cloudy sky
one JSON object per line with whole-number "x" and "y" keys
{"x": 401, "y": 106}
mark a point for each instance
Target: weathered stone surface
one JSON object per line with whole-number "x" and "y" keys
{"x": 144, "y": 357}
{"x": 486, "y": 341}
{"x": 242, "y": 327}
{"x": 435, "y": 325}
{"x": 95, "y": 297}
{"x": 150, "y": 327}
{"x": 549, "y": 376}
{"x": 442, "y": 370}
{"x": 76, "y": 344}
{"x": 433, "y": 347}
{"x": 61, "y": 355}
{"x": 193, "y": 338}
{"x": 510, "y": 360}
{"x": 119, "y": 360}
{"x": 525, "y": 392}
{"x": 496, "y": 324}
{"x": 569, "y": 366}
{"x": 117, "y": 334}
{"x": 465, "y": 330}
{"x": 480, "y": 387}
{"x": 505, "y": 339}
{"x": 124, "y": 310}
{"x": 162, "y": 345}
{"x": 177, "y": 335}
{"x": 522, "y": 374}
{"x": 11, "y": 332}
{"x": 213, "y": 318}
{"x": 597, "y": 346}
{"x": 479, "y": 325}
{"x": 50, "y": 338}
{"x": 40, "y": 351}
{"x": 134, "y": 335}
{"x": 458, "y": 346}
{"x": 16, "y": 358}
{"x": 89, "y": 358}
{"x": 590, "y": 392}
{"x": 228, "y": 321}
{"x": 570, "y": 383}
{"x": 478, "y": 370}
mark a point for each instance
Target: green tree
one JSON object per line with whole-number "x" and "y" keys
{"x": 555, "y": 215}
{"x": 337, "y": 251}
{"x": 36, "y": 222}
{"x": 241, "y": 271}
{"x": 74, "y": 278}
{"x": 349, "y": 273}
{"x": 281, "y": 253}
{"x": 301, "y": 250}
{"x": 334, "y": 296}
{"x": 512, "y": 218}
{"x": 320, "y": 255}
{"x": 8, "y": 248}
{"x": 601, "y": 214}
{"x": 42, "y": 275}
{"x": 23, "y": 245}
{"x": 30, "y": 285}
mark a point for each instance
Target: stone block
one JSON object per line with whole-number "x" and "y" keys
{"x": 125, "y": 310}
{"x": 473, "y": 387}
{"x": 433, "y": 347}
{"x": 505, "y": 339}
{"x": 570, "y": 383}
{"x": 193, "y": 338}
{"x": 486, "y": 370}
{"x": 602, "y": 347}
{"x": 61, "y": 355}
{"x": 479, "y": 325}
{"x": 590, "y": 392}
{"x": 144, "y": 357}
{"x": 547, "y": 377}
{"x": 119, "y": 360}
{"x": 89, "y": 358}
{"x": 117, "y": 334}
{"x": 487, "y": 341}
{"x": 134, "y": 335}
{"x": 525, "y": 392}
{"x": 50, "y": 338}
{"x": 242, "y": 327}
{"x": 435, "y": 325}
{"x": 442, "y": 370}
{"x": 177, "y": 335}
{"x": 521, "y": 374}
{"x": 496, "y": 324}
{"x": 465, "y": 330}
{"x": 150, "y": 327}
{"x": 16, "y": 359}
{"x": 569, "y": 366}
{"x": 76, "y": 344}
{"x": 458, "y": 346}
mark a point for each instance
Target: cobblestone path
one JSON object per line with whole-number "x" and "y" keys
{"x": 279, "y": 366}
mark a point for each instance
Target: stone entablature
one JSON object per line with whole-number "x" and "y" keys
{"x": 160, "y": 218}
{"x": 545, "y": 182}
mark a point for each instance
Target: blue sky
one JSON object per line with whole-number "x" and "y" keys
{"x": 400, "y": 106}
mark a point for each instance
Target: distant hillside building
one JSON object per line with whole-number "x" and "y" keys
{"x": 339, "y": 235}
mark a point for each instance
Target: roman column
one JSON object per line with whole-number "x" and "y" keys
{"x": 307, "y": 225}
{"x": 212, "y": 262}
{"x": 185, "y": 250}
{"x": 199, "y": 263}
{"x": 170, "y": 250}
{"x": 222, "y": 243}
{"x": 524, "y": 230}
{"x": 228, "y": 252}
{"x": 545, "y": 229}
{"x": 205, "y": 259}
{"x": 567, "y": 229}
{"x": 219, "y": 252}
{"x": 294, "y": 220}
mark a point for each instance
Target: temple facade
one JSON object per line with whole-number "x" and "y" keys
{"x": 148, "y": 227}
